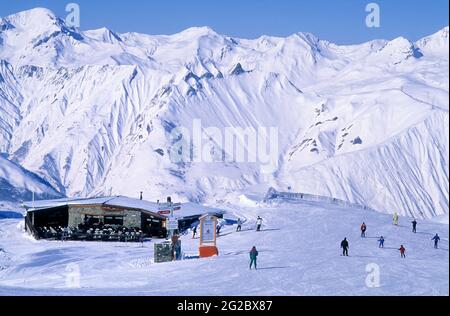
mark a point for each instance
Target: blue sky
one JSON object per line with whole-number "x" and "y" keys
{"x": 339, "y": 21}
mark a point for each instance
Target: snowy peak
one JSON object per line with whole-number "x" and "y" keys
{"x": 308, "y": 38}
{"x": 38, "y": 20}
{"x": 399, "y": 50}
{"x": 104, "y": 35}
{"x": 436, "y": 44}
{"x": 35, "y": 36}
{"x": 197, "y": 31}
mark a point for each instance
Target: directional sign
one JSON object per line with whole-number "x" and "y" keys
{"x": 172, "y": 224}
{"x": 168, "y": 209}
{"x": 168, "y": 206}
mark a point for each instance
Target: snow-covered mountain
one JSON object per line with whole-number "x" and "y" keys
{"x": 17, "y": 183}
{"x": 92, "y": 112}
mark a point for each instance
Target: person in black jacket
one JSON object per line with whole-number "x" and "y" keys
{"x": 436, "y": 241}
{"x": 344, "y": 246}
{"x": 414, "y": 224}
{"x": 218, "y": 228}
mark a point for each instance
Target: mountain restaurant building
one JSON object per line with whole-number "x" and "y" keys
{"x": 82, "y": 215}
{"x": 107, "y": 218}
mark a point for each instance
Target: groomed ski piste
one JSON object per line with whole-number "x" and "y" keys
{"x": 299, "y": 254}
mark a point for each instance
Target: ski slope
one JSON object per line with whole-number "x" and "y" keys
{"x": 298, "y": 247}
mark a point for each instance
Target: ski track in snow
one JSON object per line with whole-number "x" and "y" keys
{"x": 298, "y": 248}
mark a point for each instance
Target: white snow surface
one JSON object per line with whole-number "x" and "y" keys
{"x": 90, "y": 113}
{"x": 299, "y": 254}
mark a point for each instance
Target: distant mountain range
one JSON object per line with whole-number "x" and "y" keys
{"x": 90, "y": 113}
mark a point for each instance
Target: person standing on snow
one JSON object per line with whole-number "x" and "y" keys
{"x": 194, "y": 232}
{"x": 258, "y": 223}
{"x": 253, "y": 257}
{"x": 239, "y": 225}
{"x": 363, "y": 230}
{"x": 344, "y": 246}
{"x": 218, "y": 228}
{"x": 395, "y": 219}
{"x": 381, "y": 242}
{"x": 436, "y": 241}
{"x": 402, "y": 251}
{"x": 414, "y": 225}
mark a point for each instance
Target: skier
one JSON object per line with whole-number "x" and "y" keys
{"x": 176, "y": 247}
{"x": 253, "y": 257}
{"x": 363, "y": 230}
{"x": 239, "y": 225}
{"x": 414, "y": 225}
{"x": 344, "y": 246}
{"x": 258, "y": 223}
{"x": 402, "y": 251}
{"x": 64, "y": 234}
{"x": 194, "y": 232}
{"x": 218, "y": 230}
{"x": 436, "y": 241}
{"x": 395, "y": 219}
{"x": 381, "y": 241}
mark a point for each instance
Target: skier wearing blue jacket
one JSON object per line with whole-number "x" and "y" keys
{"x": 436, "y": 241}
{"x": 381, "y": 242}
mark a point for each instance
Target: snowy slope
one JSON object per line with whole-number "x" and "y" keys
{"x": 366, "y": 123}
{"x": 298, "y": 247}
{"x": 18, "y": 184}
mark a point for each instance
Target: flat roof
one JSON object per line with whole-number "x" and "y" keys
{"x": 187, "y": 209}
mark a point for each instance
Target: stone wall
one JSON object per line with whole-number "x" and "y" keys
{"x": 131, "y": 218}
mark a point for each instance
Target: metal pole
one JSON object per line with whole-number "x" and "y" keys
{"x": 171, "y": 232}
{"x": 171, "y": 217}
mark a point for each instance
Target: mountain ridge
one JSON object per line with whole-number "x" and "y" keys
{"x": 97, "y": 107}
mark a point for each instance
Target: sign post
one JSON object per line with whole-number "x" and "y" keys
{"x": 168, "y": 209}
{"x": 172, "y": 225}
{"x": 208, "y": 237}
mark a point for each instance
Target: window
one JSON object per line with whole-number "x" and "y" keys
{"x": 114, "y": 220}
{"x": 91, "y": 220}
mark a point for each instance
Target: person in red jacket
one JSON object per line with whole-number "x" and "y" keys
{"x": 363, "y": 230}
{"x": 402, "y": 251}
